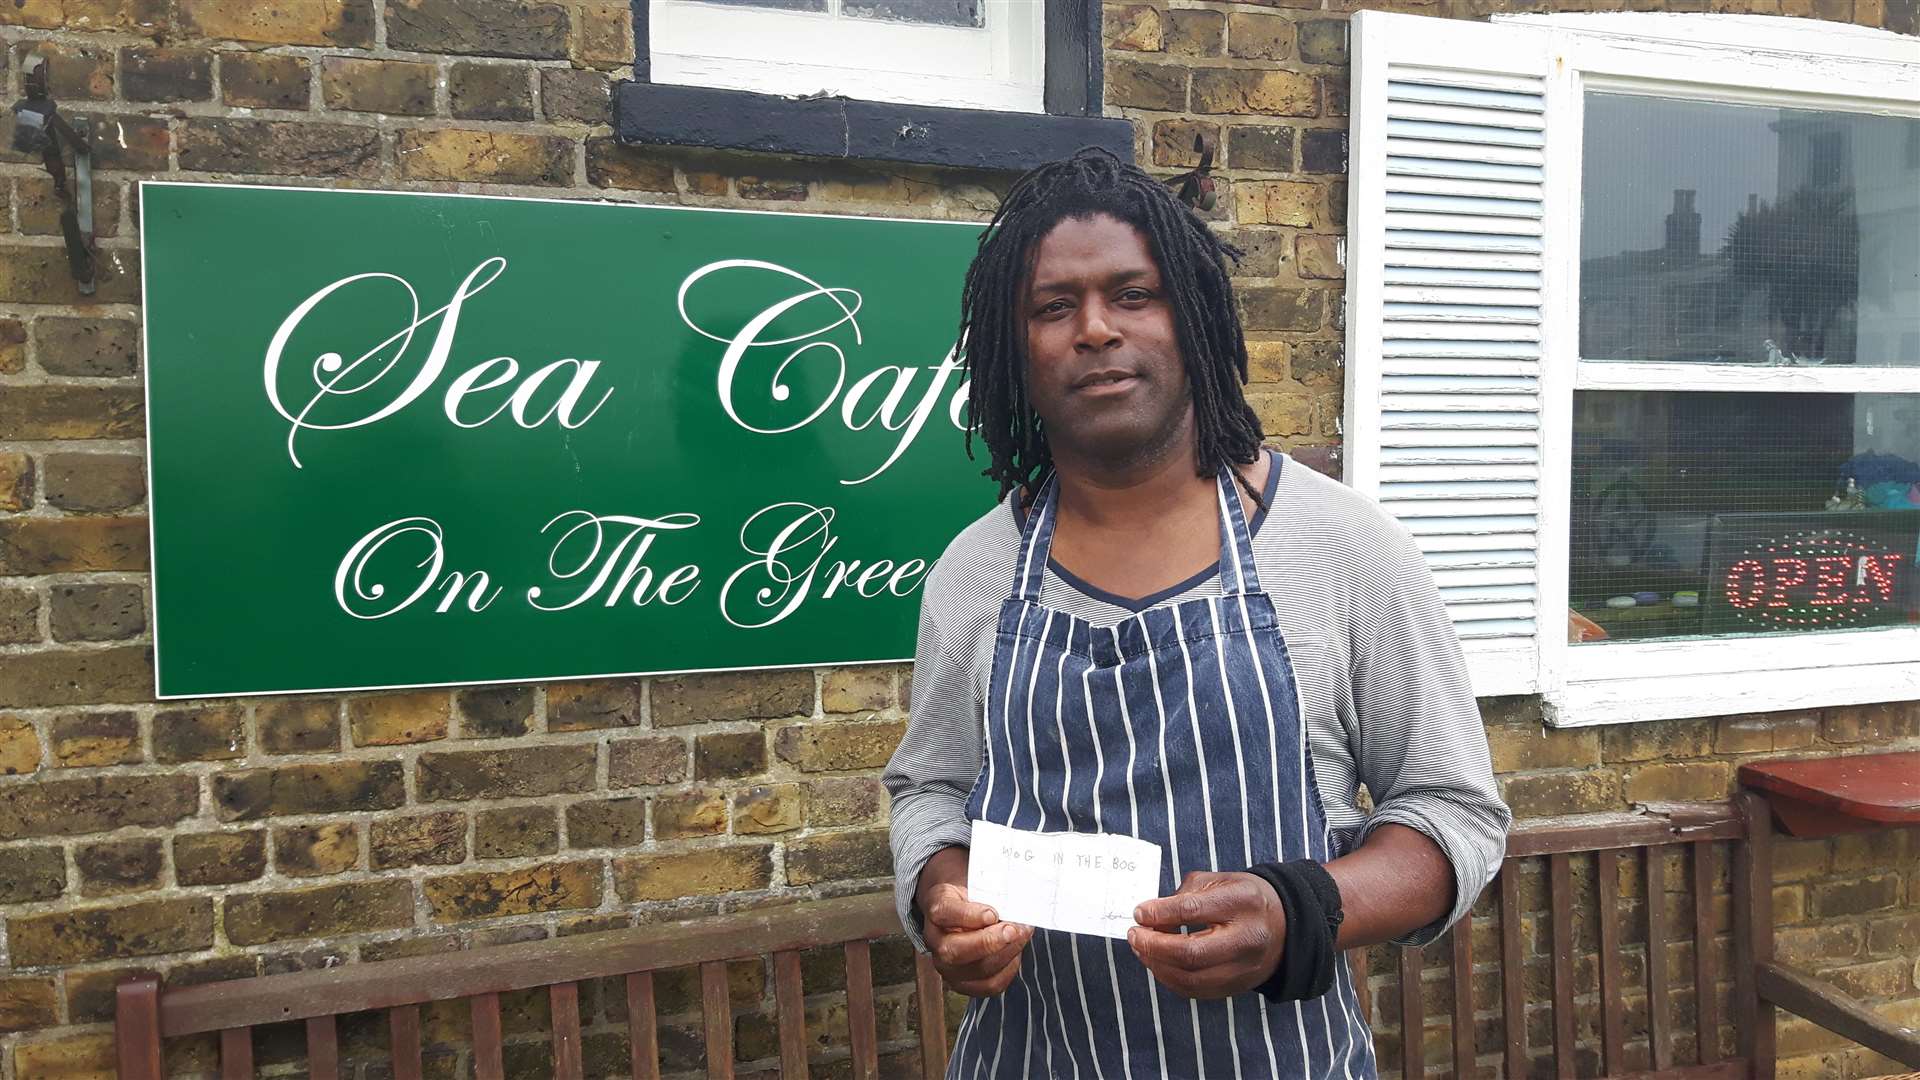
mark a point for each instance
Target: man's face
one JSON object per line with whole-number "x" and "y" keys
{"x": 1104, "y": 370}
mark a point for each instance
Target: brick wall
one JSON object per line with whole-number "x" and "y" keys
{"x": 222, "y": 839}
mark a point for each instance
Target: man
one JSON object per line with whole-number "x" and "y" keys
{"x": 1166, "y": 631}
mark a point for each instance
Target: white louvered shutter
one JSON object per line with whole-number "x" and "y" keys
{"x": 1445, "y": 267}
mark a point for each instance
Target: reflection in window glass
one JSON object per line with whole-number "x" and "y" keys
{"x": 780, "y": 5}
{"x": 1746, "y": 235}
{"x": 1722, "y": 514}
{"x": 937, "y": 12}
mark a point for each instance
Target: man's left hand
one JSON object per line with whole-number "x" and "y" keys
{"x": 1242, "y": 932}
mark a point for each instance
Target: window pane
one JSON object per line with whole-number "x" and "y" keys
{"x": 782, "y": 5}
{"x": 1747, "y": 235}
{"x": 938, "y": 12}
{"x": 1724, "y": 514}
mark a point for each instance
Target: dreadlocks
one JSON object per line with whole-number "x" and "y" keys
{"x": 1192, "y": 264}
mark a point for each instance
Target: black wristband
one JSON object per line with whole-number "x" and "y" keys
{"x": 1310, "y": 899}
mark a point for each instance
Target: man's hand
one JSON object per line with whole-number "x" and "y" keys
{"x": 972, "y": 949}
{"x": 1244, "y": 932}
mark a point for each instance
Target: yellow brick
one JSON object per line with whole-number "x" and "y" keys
{"x": 396, "y": 719}
{"x": 1277, "y": 202}
{"x": 1266, "y": 361}
{"x": 1283, "y": 415}
{"x": 81, "y": 1057}
{"x": 283, "y": 22}
{"x": 1680, "y": 782}
{"x": 19, "y": 747}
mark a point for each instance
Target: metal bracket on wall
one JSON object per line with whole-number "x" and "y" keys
{"x": 39, "y": 128}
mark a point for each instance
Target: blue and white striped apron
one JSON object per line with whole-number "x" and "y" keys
{"x": 1079, "y": 720}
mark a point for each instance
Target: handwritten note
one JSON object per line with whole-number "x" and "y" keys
{"x": 1083, "y": 883}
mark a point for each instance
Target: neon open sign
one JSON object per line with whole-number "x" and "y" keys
{"x": 1813, "y": 578}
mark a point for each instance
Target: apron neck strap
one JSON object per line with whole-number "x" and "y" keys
{"x": 1238, "y": 575}
{"x": 1036, "y": 541}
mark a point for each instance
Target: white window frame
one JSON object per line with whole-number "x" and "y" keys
{"x": 1734, "y": 59}
{"x": 998, "y": 66}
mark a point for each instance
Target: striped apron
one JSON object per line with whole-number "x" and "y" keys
{"x": 1181, "y": 725}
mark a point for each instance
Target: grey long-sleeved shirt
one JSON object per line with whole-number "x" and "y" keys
{"x": 1383, "y": 686}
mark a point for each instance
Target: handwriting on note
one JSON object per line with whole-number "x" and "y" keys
{"x": 1083, "y": 883}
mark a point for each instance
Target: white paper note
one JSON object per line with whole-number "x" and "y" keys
{"x": 1083, "y": 883}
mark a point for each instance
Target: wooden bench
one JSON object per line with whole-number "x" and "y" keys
{"x": 1546, "y": 849}
{"x": 1825, "y": 796}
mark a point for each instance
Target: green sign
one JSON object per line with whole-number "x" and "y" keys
{"x": 413, "y": 440}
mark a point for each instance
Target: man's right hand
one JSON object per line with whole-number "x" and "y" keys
{"x": 972, "y": 949}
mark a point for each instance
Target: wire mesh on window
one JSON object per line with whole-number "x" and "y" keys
{"x": 1717, "y": 514}
{"x": 963, "y": 13}
{"x": 1738, "y": 234}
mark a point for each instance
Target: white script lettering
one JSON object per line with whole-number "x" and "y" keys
{"x": 636, "y": 533}
{"x": 351, "y": 590}
{"x": 855, "y": 414}
{"x": 334, "y": 376}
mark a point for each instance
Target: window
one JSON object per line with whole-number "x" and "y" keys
{"x": 958, "y": 53}
{"x": 999, "y": 84}
{"x": 1635, "y": 351}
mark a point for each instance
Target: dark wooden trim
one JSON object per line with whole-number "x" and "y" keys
{"x": 1073, "y": 58}
{"x": 1706, "y": 988}
{"x": 1513, "y": 970}
{"x": 323, "y": 1049}
{"x": 564, "y": 999}
{"x": 642, "y": 41}
{"x": 403, "y": 1030}
{"x": 1818, "y": 1001}
{"x": 1753, "y": 932}
{"x": 930, "y": 996}
{"x": 641, "y": 1026}
{"x": 1612, "y": 1008}
{"x": 716, "y": 1019}
{"x": 1413, "y": 1013}
{"x": 1658, "y": 823}
{"x": 790, "y": 1002}
{"x": 488, "y": 1053}
{"x": 1560, "y": 904}
{"x": 1463, "y": 1043}
{"x": 863, "y": 1037}
{"x": 236, "y": 1055}
{"x": 354, "y": 987}
{"x": 846, "y": 128}
{"x": 1659, "y": 999}
{"x": 136, "y": 1028}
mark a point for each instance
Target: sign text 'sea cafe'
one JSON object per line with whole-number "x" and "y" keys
{"x": 463, "y": 439}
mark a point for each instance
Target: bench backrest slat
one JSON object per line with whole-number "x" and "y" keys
{"x": 1413, "y": 1024}
{"x": 1513, "y": 964}
{"x": 1560, "y": 905}
{"x": 862, "y": 1036}
{"x": 236, "y": 1054}
{"x": 488, "y": 1052}
{"x": 790, "y": 1001}
{"x": 1706, "y": 1002}
{"x": 565, "y": 1001}
{"x": 1659, "y": 998}
{"x": 930, "y": 995}
{"x": 640, "y": 1026}
{"x": 403, "y": 1031}
{"x": 1606, "y": 880}
{"x": 1463, "y": 1047}
{"x": 323, "y": 1049}
{"x": 716, "y": 1012}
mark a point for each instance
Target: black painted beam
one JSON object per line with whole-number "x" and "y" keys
{"x": 658, "y": 114}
